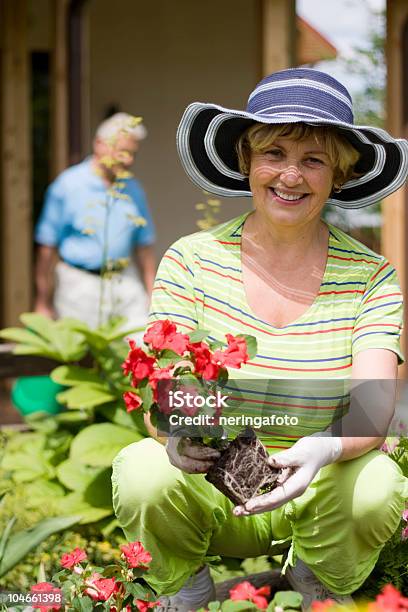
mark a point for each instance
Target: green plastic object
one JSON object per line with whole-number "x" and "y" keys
{"x": 36, "y": 394}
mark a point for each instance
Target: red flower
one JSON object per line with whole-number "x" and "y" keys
{"x": 138, "y": 364}
{"x": 47, "y": 587}
{"x": 164, "y": 335}
{"x": 132, "y": 401}
{"x": 157, "y": 335}
{"x": 323, "y": 606}
{"x": 143, "y": 606}
{"x": 100, "y": 589}
{"x": 390, "y": 600}
{"x": 203, "y": 361}
{"x": 235, "y": 354}
{"x": 159, "y": 374}
{"x": 136, "y": 555}
{"x": 68, "y": 560}
{"x": 246, "y": 591}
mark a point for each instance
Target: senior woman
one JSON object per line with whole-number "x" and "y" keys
{"x": 322, "y": 306}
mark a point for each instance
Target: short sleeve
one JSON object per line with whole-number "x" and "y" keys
{"x": 144, "y": 235}
{"x": 173, "y": 293}
{"x": 49, "y": 228}
{"x": 380, "y": 315}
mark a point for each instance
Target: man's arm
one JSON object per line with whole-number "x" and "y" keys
{"x": 44, "y": 280}
{"x": 146, "y": 262}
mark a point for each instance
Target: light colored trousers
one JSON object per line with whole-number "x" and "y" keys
{"x": 337, "y": 527}
{"x": 77, "y": 294}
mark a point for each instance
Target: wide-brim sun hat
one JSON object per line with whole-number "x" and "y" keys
{"x": 208, "y": 133}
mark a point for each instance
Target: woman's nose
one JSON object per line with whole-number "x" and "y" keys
{"x": 291, "y": 176}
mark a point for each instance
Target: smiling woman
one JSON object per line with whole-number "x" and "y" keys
{"x": 325, "y": 311}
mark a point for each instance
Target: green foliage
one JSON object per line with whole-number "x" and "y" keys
{"x": 14, "y": 547}
{"x": 286, "y": 600}
{"x": 62, "y": 466}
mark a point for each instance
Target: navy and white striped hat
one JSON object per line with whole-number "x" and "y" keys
{"x": 208, "y": 133}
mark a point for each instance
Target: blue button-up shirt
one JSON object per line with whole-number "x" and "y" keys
{"x": 79, "y": 215}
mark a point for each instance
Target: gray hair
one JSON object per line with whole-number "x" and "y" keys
{"x": 120, "y": 122}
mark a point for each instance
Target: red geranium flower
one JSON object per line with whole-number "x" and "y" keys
{"x": 138, "y": 363}
{"x": 136, "y": 555}
{"x": 132, "y": 401}
{"x": 156, "y": 376}
{"x": 157, "y": 335}
{"x": 247, "y": 592}
{"x": 143, "y": 606}
{"x": 164, "y": 335}
{"x": 100, "y": 589}
{"x": 390, "y": 600}
{"x": 323, "y": 606}
{"x": 203, "y": 361}
{"x": 68, "y": 560}
{"x": 47, "y": 587}
{"x": 235, "y": 354}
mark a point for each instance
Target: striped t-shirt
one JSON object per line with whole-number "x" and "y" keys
{"x": 302, "y": 369}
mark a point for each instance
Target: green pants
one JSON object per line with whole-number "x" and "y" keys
{"x": 337, "y": 527}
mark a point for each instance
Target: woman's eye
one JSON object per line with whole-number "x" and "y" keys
{"x": 274, "y": 153}
{"x": 315, "y": 160}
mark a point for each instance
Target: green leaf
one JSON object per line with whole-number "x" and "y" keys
{"x": 99, "y": 491}
{"x": 98, "y": 444}
{"x": 71, "y": 416}
{"x": 167, "y": 358}
{"x": 26, "y": 459}
{"x": 146, "y": 393}
{"x": 39, "y": 324}
{"x": 117, "y": 414}
{"x": 252, "y": 345}
{"x": 76, "y": 476}
{"x": 82, "y": 603}
{"x": 288, "y": 599}
{"x": 71, "y": 375}
{"x": 213, "y": 606}
{"x": 137, "y": 590}
{"x": 198, "y": 335}
{"x": 22, "y": 542}
{"x": 24, "y": 336}
{"x": 237, "y": 606}
{"x": 86, "y": 395}
{"x": 75, "y": 502}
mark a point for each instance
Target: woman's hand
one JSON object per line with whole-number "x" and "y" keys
{"x": 189, "y": 456}
{"x": 304, "y": 460}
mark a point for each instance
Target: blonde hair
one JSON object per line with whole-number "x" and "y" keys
{"x": 259, "y": 137}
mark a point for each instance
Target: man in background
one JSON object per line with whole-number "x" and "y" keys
{"x": 95, "y": 234}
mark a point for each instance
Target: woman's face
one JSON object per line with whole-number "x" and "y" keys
{"x": 292, "y": 181}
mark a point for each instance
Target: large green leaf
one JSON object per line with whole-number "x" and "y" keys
{"x": 21, "y": 543}
{"x": 237, "y": 606}
{"x": 117, "y": 414}
{"x": 24, "y": 336}
{"x": 86, "y": 395}
{"x": 75, "y": 502}
{"x": 76, "y": 476}
{"x": 99, "y": 491}
{"x": 72, "y": 375}
{"x": 26, "y": 459}
{"x": 39, "y": 324}
{"x": 98, "y": 444}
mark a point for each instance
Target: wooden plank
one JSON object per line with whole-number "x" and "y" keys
{"x": 395, "y": 218}
{"x": 15, "y": 231}
{"x": 278, "y": 35}
{"x": 12, "y": 365}
{"x": 59, "y": 88}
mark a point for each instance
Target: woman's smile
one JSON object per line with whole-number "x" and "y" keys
{"x": 291, "y": 181}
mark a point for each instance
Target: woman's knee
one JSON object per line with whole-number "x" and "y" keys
{"x": 141, "y": 475}
{"x": 377, "y": 500}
